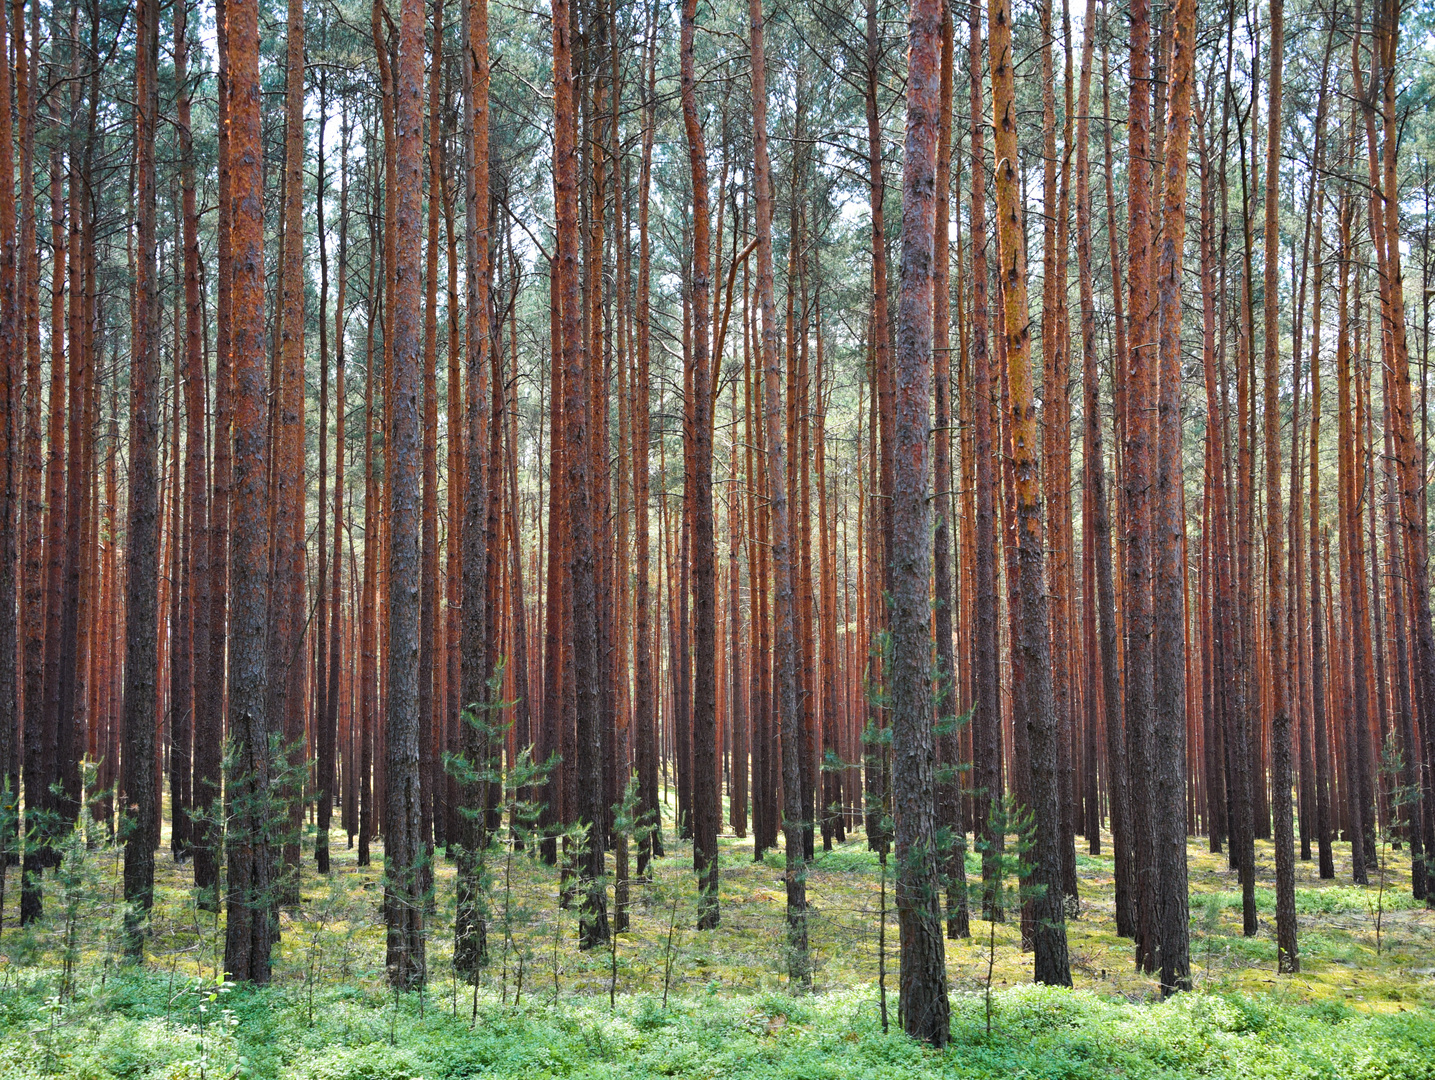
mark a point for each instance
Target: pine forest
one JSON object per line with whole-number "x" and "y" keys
{"x": 662, "y": 538}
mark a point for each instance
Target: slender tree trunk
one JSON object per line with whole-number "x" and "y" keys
{"x": 430, "y": 775}
{"x": 11, "y": 354}
{"x": 1052, "y": 964}
{"x": 1169, "y": 772}
{"x": 403, "y": 853}
{"x": 1137, "y": 599}
{"x": 926, "y": 1012}
{"x": 142, "y": 533}
{"x": 470, "y": 931}
{"x": 368, "y": 663}
{"x": 287, "y": 605}
{"x": 328, "y": 731}
{"x": 644, "y": 698}
{"x": 588, "y": 761}
{"x": 1288, "y": 956}
{"x": 1319, "y": 724}
{"x": 1117, "y": 739}
{"x": 194, "y": 634}
{"x": 706, "y": 808}
{"x": 1357, "y": 725}
{"x": 987, "y": 713}
{"x": 1098, "y": 536}
{"x": 32, "y": 570}
{"x": 949, "y": 800}
{"x": 209, "y": 691}
{"x": 877, "y": 755}
{"x": 784, "y": 659}
{"x": 1054, "y": 438}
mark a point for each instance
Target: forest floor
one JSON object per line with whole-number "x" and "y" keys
{"x": 715, "y": 1003}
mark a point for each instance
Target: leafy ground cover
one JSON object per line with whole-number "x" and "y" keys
{"x": 716, "y": 1003}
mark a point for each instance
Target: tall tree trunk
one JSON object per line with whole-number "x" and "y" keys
{"x": 368, "y": 666}
{"x": 11, "y": 352}
{"x": 1052, "y": 965}
{"x": 287, "y": 603}
{"x": 1324, "y": 855}
{"x": 195, "y": 636}
{"x": 209, "y": 694}
{"x": 1054, "y": 437}
{"x": 987, "y": 712}
{"x": 142, "y": 533}
{"x": 706, "y": 807}
{"x": 56, "y": 524}
{"x": 645, "y": 719}
{"x": 403, "y": 854}
{"x": 926, "y": 1012}
{"x": 328, "y": 731}
{"x": 470, "y": 931}
{"x": 32, "y": 570}
{"x": 1356, "y": 725}
{"x": 1169, "y": 727}
{"x": 249, "y": 928}
{"x": 949, "y": 800}
{"x": 1098, "y": 536}
{"x": 1288, "y": 956}
{"x": 1137, "y": 599}
{"x": 430, "y": 776}
{"x": 784, "y": 659}
{"x": 1117, "y": 740}
{"x": 877, "y": 756}
{"x": 588, "y": 759}
{"x": 323, "y": 746}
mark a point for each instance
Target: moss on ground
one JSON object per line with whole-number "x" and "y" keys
{"x": 1363, "y": 1004}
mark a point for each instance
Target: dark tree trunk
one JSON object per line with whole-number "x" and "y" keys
{"x": 1093, "y": 453}
{"x": 986, "y": 716}
{"x": 403, "y": 852}
{"x": 926, "y": 1012}
{"x": 286, "y": 668}
{"x": 784, "y": 658}
{"x": 1137, "y": 599}
{"x": 706, "y": 807}
{"x": 209, "y": 681}
{"x": 645, "y": 719}
{"x": 949, "y": 801}
{"x": 1169, "y": 727}
{"x": 142, "y": 533}
{"x": 470, "y": 931}
{"x": 588, "y": 757}
{"x": 11, "y": 355}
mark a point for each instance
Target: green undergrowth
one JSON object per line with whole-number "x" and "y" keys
{"x": 1331, "y": 900}
{"x": 143, "y": 1024}
{"x": 715, "y": 1003}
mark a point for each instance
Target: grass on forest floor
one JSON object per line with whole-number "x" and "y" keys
{"x": 135, "y": 1027}
{"x": 337, "y": 929}
{"x": 332, "y": 949}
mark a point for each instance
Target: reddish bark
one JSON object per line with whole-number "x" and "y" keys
{"x": 925, "y": 1010}
{"x": 1052, "y": 965}
{"x": 588, "y": 760}
{"x": 248, "y": 935}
